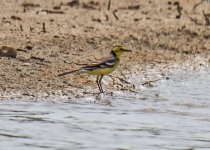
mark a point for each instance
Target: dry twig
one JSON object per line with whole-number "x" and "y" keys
{"x": 206, "y": 16}
{"x": 115, "y": 15}
{"x": 151, "y": 81}
{"x": 109, "y": 5}
{"x": 179, "y": 8}
{"x": 196, "y": 5}
{"x": 43, "y": 27}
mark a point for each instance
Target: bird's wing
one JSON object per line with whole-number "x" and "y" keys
{"x": 106, "y": 64}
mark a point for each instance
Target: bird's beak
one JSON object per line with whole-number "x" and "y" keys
{"x": 127, "y": 50}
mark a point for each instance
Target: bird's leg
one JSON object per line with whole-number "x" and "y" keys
{"x": 101, "y": 90}
{"x": 97, "y": 81}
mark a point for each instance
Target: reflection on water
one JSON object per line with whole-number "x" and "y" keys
{"x": 174, "y": 114}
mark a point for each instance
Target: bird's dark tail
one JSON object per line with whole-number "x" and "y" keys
{"x": 70, "y": 72}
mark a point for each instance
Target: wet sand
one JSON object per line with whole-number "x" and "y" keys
{"x": 51, "y": 37}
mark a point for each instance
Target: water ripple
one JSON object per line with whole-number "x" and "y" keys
{"x": 173, "y": 114}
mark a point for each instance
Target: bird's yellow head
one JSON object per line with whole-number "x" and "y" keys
{"x": 117, "y": 51}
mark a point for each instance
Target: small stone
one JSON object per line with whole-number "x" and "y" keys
{"x": 56, "y": 36}
{"x": 57, "y": 7}
{"x": 8, "y": 52}
{"x": 29, "y": 47}
{"x": 15, "y": 18}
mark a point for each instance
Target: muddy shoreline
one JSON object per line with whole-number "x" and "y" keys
{"x": 51, "y": 37}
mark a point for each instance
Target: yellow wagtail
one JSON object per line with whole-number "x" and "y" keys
{"x": 103, "y": 68}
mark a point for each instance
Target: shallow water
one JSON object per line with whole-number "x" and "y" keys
{"x": 173, "y": 114}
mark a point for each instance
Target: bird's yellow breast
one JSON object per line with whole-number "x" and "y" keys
{"x": 102, "y": 71}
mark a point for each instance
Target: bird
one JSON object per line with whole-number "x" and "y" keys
{"x": 103, "y": 68}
